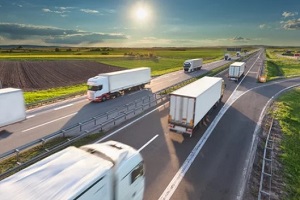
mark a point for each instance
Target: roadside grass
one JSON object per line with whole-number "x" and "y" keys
{"x": 288, "y": 115}
{"x": 10, "y": 163}
{"x": 280, "y": 66}
{"x": 39, "y": 95}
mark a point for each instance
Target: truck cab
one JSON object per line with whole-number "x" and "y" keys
{"x": 97, "y": 88}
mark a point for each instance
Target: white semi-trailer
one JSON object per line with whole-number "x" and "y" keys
{"x": 106, "y": 171}
{"x": 236, "y": 71}
{"x": 192, "y": 65}
{"x": 190, "y": 104}
{"x": 110, "y": 85}
{"x": 12, "y": 106}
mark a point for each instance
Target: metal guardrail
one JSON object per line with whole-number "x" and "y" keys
{"x": 266, "y": 173}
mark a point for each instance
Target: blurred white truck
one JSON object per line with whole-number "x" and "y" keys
{"x": 106, "y": 171}
{"x": 191, "y": 103}
{"x": 12, "y": 106}
{"x": 192, "y": 64}
{"x": 110, "y": 85}
{"x": 236, "y": 71}
{"x": 227, "y": 56}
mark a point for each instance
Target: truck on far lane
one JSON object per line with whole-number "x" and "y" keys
{"x": 110, "y": 85}
{"x": 236, "y": 71}
{"x": 192, "y": 64}
{"x": 106, "y": 171}
{"x": 191, "y": 103}
{"x": 12, "y": 106}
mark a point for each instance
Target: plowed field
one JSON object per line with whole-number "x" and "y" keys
{"x": 36, "y": 75}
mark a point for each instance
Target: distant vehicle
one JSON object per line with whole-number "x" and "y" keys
{"x": 192, "y": 65}
{"x": 227, "y": 56}
{"x": 236, "y": 71}
{"x": 191, "y": 103}
{"x": 12, "y": 106}
{"x": 110, "y": 85}
{"x": 238, "y": 54}
{"x": 106, "y": 171}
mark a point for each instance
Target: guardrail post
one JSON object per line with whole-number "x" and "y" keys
{"x": 18, "y": 156}
{"x": 80, "y": 126}
{"x": 63, "y": 133}
{"x": 95, "y": 121}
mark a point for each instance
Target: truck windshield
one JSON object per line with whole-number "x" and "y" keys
{"x": 94, "y": 88}
{"x": 186, "y": 64}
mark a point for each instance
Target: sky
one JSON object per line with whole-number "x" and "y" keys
{"x": 149, "y": 23}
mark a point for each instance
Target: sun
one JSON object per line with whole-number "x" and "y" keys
{"x": 141, "y": 14}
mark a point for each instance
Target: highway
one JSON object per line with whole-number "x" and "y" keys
{"x": 216, "y": 161}
{"x": 49, "y": 119}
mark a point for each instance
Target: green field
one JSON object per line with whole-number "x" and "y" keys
{"x": 281, "y": 66}
{"x": 288, "y": 114}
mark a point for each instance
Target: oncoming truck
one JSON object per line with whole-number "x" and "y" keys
{"x": 110, "y": 85}
{"x": 192, "y": 64}
{"x": 12, "y": 106}
{"x": 106, "y": 171}
{"x": 236, "y": 71}
{"x": 191, "y": 103}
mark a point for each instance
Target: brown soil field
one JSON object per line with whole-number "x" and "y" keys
{"x": 36, "y": 75}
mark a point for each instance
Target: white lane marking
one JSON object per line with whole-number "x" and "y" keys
{"x": 169, "y": 191}
{"x": 65, "y": 106}
{"x": 30, "y": 116}
{"x": 116, "y": 131}
{"x": 147, "y": 143}
{"x": 49, "y": 122}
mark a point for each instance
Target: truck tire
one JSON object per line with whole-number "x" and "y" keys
{"x": 103, "y": 99}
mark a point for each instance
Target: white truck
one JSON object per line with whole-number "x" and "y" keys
{"x": 192, "y": 64}
{"x": 110, "y": 85}
{"x": 191, "y": 103}
{"x": 106, "y": 171}
{"x": 227, "y": 56}
{"x": 12, "y": 106}
{"x": 236, "y": 71}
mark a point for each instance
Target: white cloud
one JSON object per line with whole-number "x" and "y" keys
{"x": 239, "y": 39}
{"x": 289, "y": 14}
{"x": 264, "y": 26}
{"x": 291, "y": 24}
{"x": 89, "y": 11}
{"x": 46, "y": 10}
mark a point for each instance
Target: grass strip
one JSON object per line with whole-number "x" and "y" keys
{"x": 288, "y": 114}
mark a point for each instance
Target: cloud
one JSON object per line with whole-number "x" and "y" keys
{"x": 89, "y": 11}
{"x": 240, "y": 39}
{"x": 58, "y": 10}
{"x": 289, "y": 14}
{"x": 291, "y": 24}
{"x": 55, "y": 35}
{"x": 264, "y": 26}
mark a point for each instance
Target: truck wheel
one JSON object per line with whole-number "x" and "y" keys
{"x": 103, "y": 99}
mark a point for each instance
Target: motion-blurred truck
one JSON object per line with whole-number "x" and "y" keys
{"x": 227, "y": 56}
{"x": 192, "y": 64}
{"x": 110, "y": 85}
{"x": 191, "y": 103}
{"x": 107, "y": 171}
{"x": 12, "y": 106}
{"x": 236, "y": 71}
